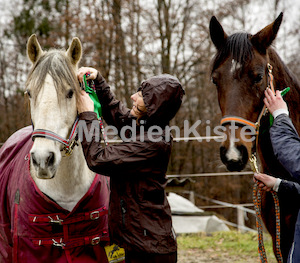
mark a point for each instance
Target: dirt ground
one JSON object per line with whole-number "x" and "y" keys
{"x": 209, "y": 256}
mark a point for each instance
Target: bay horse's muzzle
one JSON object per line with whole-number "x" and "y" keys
{"x": 241, "y": 137}
{"x": 236, "y": 162}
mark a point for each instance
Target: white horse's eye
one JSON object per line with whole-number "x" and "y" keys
{"x": 70, "y": 94}
{"x": 27, "y": 92}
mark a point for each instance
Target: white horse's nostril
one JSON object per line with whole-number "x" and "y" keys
{"x": 33, "y": 159}
{"x": 50, "y": 159}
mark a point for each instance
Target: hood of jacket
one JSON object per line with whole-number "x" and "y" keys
{"x": 162, "y": 96}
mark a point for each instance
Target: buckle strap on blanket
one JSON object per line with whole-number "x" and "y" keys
{"x": 73, "y": 242}
{"x": 61, "y": 219}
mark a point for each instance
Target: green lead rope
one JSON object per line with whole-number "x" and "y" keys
{"x": 93, "y": 96}
{"x": 285, "y": 91}
{"x": 97, "y": 107}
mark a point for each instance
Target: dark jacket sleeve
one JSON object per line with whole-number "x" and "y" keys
{"x": 113, "y": 110}
{"x": 117, "y": 159}
{"x": 286, "y": 144}
{"x": 290, "y": 191}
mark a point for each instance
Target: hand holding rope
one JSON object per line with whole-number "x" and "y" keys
{"x": 257, "y": 205}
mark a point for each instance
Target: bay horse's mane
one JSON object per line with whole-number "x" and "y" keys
{"x": 57, "y": 65}
{"x": 273, "y": 55}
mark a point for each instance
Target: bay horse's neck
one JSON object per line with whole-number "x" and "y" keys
{"x": 283, "y": 78}
{"x": 72, "y": 180}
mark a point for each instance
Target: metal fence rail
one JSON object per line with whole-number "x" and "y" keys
{"x": 177, "y": 139}
{"x": 209, "y": 174}
{"x": 241, "y": 212}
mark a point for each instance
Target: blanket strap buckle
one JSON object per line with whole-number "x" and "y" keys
{"x": 56, "y": 221}
{"x": 60, "y": 244}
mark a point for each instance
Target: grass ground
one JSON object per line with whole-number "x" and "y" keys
{"x": 230, "y": 246}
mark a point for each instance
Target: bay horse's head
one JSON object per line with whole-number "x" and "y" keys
{"x": 52, "y": 88}
{"x": 240, "y": 73}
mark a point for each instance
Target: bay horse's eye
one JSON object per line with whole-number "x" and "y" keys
{"x": 258, "y": 78}
{"x": 70, "y": 94}
{"x": 214, "y": 80}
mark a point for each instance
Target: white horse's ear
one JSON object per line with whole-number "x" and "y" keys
{"x": 74, "y": 51}
{"x": 34, "y": 50}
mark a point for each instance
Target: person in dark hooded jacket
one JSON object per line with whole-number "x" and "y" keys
{"x": 139, "y": 213}
{"x": 286, "y": 145}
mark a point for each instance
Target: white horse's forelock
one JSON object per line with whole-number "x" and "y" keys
{"x": 56, "y": 64}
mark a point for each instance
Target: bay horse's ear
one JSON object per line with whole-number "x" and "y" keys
{"x": 264, "y": 38}
{"x": 217, "y": 33}
{"x": 74, "y": 51}
{"x": 34, "y": 50}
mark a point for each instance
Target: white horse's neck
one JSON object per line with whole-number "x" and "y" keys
{"x": 71, "y": 181}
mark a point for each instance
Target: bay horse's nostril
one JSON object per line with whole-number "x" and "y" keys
{"x": 244, "y": 153}
{"x": 223, "y": 151}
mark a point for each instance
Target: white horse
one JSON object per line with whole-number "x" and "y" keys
{"x": 52, "y": 207}
{"x": 53, "y": 108}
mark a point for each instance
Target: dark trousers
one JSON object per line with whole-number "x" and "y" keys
{"x": 140, "y": 257}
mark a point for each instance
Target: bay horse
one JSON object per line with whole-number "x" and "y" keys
{"x": 240, "y": 73}
{"x": 52, "y": 207}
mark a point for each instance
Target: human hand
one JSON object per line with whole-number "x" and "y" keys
{"x": 273, "y": 102}
{"x": 84, "y": 70}
{"x": 265, "y": 182}
{"x": 84, "y": 102}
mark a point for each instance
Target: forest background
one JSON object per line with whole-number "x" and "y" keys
{"x": 131, "y": 40}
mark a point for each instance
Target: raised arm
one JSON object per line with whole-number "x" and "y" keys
{"x": 284, "y": 137}
{"x": 114, "y": 112}
{"x": 124, "y": 158}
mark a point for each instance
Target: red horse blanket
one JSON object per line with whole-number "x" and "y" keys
{"x": 34, "y": 228}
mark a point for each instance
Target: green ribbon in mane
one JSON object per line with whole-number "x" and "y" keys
{"x": 93, "y": 96}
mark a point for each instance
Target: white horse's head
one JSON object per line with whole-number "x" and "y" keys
{"x": 52, "y": 88}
